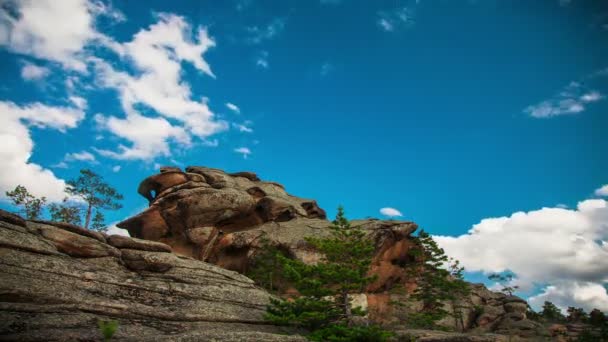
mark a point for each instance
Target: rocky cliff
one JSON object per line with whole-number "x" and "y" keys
{"x": 57, "y": 281}
{"x": 228, "y": 219}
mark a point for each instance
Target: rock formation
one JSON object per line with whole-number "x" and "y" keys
{"x": 226, "y": 219}
{"x": 58, "y": 280}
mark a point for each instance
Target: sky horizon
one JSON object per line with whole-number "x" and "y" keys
{"x": 482, "y": 121}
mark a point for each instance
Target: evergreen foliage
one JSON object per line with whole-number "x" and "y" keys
{"x": 31, "y": 206}
{"x": 439, "y": 280}
{"x": 65, "y": 212}
{"x": 324, "y": 307}
{"x": 576, "y": 315}
{"x": 505, "y": 281}
{"x": 95, "y": 192}
{"x": 551, "y": 313}
{"x": 98, "y": 222}
{"x": 266, "y": 268}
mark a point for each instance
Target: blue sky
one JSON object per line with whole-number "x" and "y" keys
{"x": 449, "y": 112}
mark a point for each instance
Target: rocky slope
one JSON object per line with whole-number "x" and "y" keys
{"x": 227, "y": 219}
{"x": 57, "y": 281}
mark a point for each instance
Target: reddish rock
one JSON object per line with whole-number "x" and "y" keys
{"x": 124, "y": 242}
{"x": 228, "y": 219}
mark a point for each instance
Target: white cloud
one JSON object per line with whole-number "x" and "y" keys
{"x": 398, "y": 18}
{"x": 602, "y": 191}
{"x": 571, "y": 100}
{"x": 591, "y": 96}
{"x": 244, "y": 151}
{"x": 116, "y": 168}
{"x": 572, "y": 293}
{"x": 78, "y": 101}
{"x": 259, "y": 34}
{"x": 261, "y": 60}
{"x": 80, "y": 156}
{"x": 52, "y": 30}
{"x": 17, "y": 146}
{"x": 564, "y": 248}
{"x": 157, "y": 53}
{"x": 211, "y": 143}
{"x": 244, "y": 127}
{"x": 390, "y": 212}
{"x": 149, "y": 136}
{"x": 33, "y": 72}
{"x": 113, "y": 230}
{"x": 60, "y": 165}
{"x": 233, "y": 107}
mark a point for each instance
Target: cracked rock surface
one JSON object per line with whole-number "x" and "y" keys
{"x": 56, "y": 283}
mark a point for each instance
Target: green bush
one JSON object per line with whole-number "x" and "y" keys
{"x": 343, "y": 333}
{"x": 108, "y": 329}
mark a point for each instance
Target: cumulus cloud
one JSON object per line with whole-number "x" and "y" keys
{"x": 53, "y": 30}
{"x": 602, "y": 191}
{"x": 116, "y": 168}
{"x": 17, "y": 146}
{"x": 233, "y": 107}
{"x": 33, "y": 72}
{"x": 562, "y": 249}
{"x": 390, "y": 212}
{"x": 157, "y": 53}
{"x": 572, "y": 99}
{"x": 572, "y": 293}
{"x": 244, "y": 151}
{"x": 149, "y": 137}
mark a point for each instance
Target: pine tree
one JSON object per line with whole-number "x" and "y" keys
{"x": 95, "y": 192}
{"x": 439, "y": 280}
{"x": 98, "y": 222}
{"x": 551, "y": 312}
{"x": 324, "y": 306}
{"x": 65, "y": 212}
{"x": 31, "y": 205}
{"x": 576, "y": 315}
{"x": 505, "y": 281}
{"x": 267, "y": 269}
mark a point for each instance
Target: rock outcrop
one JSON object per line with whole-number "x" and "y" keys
{"x": 228, "y": 219}
{"x": 57, "y": 281}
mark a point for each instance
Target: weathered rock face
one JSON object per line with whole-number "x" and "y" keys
{"x": 57, "y": 281}
{"x": 190, "y": 210}
{"x": 226, "y": 219}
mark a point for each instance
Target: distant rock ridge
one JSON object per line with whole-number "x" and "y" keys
{"x": 227, "y": 218}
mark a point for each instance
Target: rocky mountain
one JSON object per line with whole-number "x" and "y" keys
{"x": 181, "y": 276}
{"x": 228, "y": 219}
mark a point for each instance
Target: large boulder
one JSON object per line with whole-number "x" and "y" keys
{"x": 56, "y": 284}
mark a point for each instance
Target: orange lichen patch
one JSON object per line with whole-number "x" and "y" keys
{"x": 379, "y": 307}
